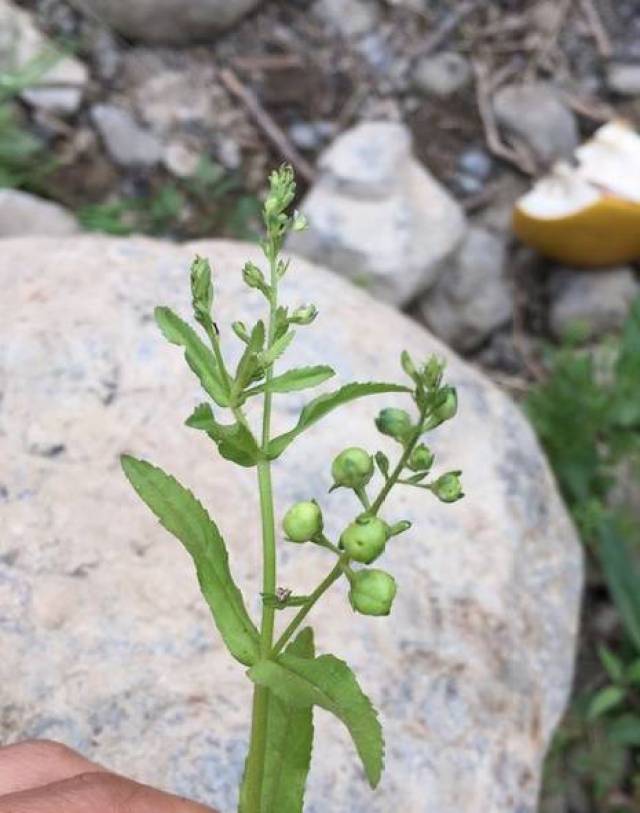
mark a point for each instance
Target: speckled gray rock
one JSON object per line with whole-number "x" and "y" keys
{"x": 377, "y": 216}
{"x": 170, "y": 21}
{"x": 598, "y": 300}
{"x": 536, "y": 113}
{"x": 624, "y": 78}
{"x": 351, "y": 18}
{"x": 106, "y": 643}
{"x": 472, "y": 298}
{"x": 127, "y": 142}
{"x": 22, "y": 213}
{"x": 62, "y": 84}
{"x": 441, "y": 74}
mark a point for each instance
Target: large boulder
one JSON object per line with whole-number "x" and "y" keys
{"x": 22, "y": 213}
{"x": 378, "y": 216}
{"x": 106, "y": 642}
{"x": 168, "y": 21}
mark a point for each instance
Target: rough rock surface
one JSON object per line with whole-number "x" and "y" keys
{"x": 170, "y": 21}
{"x": 536, "y": 114}
{"x": 22, "y": 45}
{"x": 126, "y": 141}
{"x": 22, "y": 213}
{"x": 442, "y": 74}
{"x": 472, "y": 297}
{"x": 377, "y": 215}
{"x": 624, "y": 78}
{"x": 351, "y": 18}
{"x": 106, "y": 642}
{"x": 598, "y": 300}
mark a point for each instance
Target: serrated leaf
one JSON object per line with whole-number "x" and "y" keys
{"x": 289, "y": 744}
{"x": 605, "y": 700}
{"x": 323, "y": 404}
{"x": 329, "y": 683}
{"x": 198, "y": 356}
{"x": 183, "y": 515}
{"x": 234, "y": 441}
{"x": 274, "y": 352}
{"x": 300, "y": 378}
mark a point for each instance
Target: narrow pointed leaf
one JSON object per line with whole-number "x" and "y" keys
{"x": 234, "y": 441}
{"x": 328, "y": 682}
{"x": 289, "y": 744}
{"x": 181, "y": 514}
{"x": 198, "y": 356}
{"x": 323, "y": 404}
{"x": 301, "y": 378}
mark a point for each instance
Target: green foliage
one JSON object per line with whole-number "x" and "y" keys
{"x": 289, "y": 679}
{"x": 587, "y": 415}
{"x": 289, "y": 743}
{"x": 329, "y": 683}
{"x": 24, "y": 163}
{"x": 183, "y": 516}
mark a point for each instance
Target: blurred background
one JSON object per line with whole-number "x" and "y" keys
{"x": 414, "y": 127}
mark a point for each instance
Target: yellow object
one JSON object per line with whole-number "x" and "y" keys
{"x": 587, "y": 215}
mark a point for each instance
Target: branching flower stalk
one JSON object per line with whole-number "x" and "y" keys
{"x": 289, "y": 678}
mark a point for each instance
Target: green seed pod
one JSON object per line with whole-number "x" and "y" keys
{"x": 394, "y": 422}
{"x": 421, "y": 458}
{"x": 303, "y": 521}
{"x": 352, "y": 468}
{"x": 372, "y": 592}
{"x": 365, "y": 539}
{"x": 448, "y": 487}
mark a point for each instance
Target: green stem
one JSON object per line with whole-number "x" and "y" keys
{"x": 299, "y": 617}
{"x": 362, "y": 495}
{"x": 395, "y": 474}
{"x": 260, "y": 714}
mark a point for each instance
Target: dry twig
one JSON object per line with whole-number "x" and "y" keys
{"x": 271, "y": 129}
{"x": 445, "y": 29}
{"x": 517, "y": 155}
{"x": 598, "y": 31}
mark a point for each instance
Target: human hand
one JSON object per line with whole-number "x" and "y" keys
{"x": 47, "y": 777}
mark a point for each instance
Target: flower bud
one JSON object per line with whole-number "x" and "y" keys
{"x": 372, "y": 592}
{"x": 304, "y": 315}
{"x": 201, "y": 286}
{"x": 303, "y": 521}
{"x": 448, "y": 487}
{"x": 300, "y": 222}
{"x": 409, "y": 367}
{"x": 365, "y": 539}
{"x": 421, "y": 458}
{"x": 394, "y": 422}
{"x": 254, "y": 278}
{"x": 445, "y": 410}
{"x": 240, "y": 329}
{"x": 352, "y": 468}
{"x": 432, "y": 372}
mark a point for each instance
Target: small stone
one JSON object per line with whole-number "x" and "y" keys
{"x": 351, "y": 18}
{"x": 624, "y": 78}
{"x": 229, "y": 153}
{"x": 180, "y": 159}
{"x": 442, "y": 74}
{"x": 22, "y": 45}
{"x": 377, "y": 216}
{"x": 127, "y": 142}
{"x": 597, "y": 301}
{"x": 476, "y": 162}
{"x": 310, "y": 135}
{"x": 168, "y": 21}
{"x": 22, "y": 213}
{"x": 536, "y": 114}
{"x": 472, "y": 297}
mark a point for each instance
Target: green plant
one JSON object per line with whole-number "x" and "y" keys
{"x": 587, "y": 415}
{"x": 289, "y": 678}
{"x": 23, "y": 161}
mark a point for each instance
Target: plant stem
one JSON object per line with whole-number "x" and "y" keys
{"x": 299, "y": 617}
{"x": 260, "y": 713}
{"x": 395, "y": 474}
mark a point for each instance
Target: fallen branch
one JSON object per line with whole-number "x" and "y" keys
{"x": 270, "y": 128}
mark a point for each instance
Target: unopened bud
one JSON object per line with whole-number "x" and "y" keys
{"x": 240, "y": 329}
{"x": 201, "y": 286}
{"x": 448, "y": 487}
{"x": 304, "y": 315}
{"x": 352, "y": 468}
{"x": 394, "y": 422}
{"x": 372, "y": 592}
{"x": 421, "y": 458}
{"x": 303, "y": 521}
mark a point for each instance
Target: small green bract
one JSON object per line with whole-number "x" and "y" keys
{"x": 303, "y": 521}
{"x": 289, "y": 678}
{"x": 372, "y": 592}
